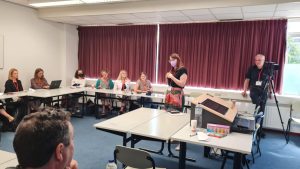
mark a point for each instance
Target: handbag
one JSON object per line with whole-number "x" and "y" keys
{"x": 173, "y": 97}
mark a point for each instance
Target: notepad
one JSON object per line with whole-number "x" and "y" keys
{"x": 202, "y": 136}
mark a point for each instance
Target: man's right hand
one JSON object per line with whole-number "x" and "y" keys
{"x": 244, "y": 94}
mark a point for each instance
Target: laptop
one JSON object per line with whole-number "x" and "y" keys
{"x": 55, "y": 84}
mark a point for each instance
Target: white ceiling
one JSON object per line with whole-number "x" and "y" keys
{"x": 164, "y": 11}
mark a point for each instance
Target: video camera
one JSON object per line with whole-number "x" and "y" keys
{"x": 271, "y": 67}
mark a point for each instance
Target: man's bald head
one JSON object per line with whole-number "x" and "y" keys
{"x": 260, "y": 60}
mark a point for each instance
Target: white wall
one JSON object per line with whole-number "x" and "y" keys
{"x": 30, "y": 42}
{"x": 71, "y": 60}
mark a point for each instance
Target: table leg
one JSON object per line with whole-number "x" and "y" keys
{"x": 182, "y": 155}
{"x": 237, "y": 161}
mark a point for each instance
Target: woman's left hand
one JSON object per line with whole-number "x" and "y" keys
{"x": 169, "y": 75}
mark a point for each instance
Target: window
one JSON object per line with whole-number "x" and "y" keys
{"x": 291, "y": 80}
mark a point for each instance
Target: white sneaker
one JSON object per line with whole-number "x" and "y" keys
{"x": 177, "y": 148}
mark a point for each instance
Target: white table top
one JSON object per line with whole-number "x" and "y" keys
{"x": 126, "y": 122}
{"x": 13, "y": 94}
{"x": 163, "y": 126}
{"x": 44, "y": 93}
{"x": 10, "y": 163}
{"x": 6, "y": 156}
{"x": 107, "y": 91}
{"x": 236, "y": 142}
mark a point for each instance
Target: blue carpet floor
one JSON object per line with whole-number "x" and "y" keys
{"x": 93, "y": 148}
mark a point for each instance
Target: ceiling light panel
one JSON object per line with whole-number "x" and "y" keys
{"x": 55, "y": 3}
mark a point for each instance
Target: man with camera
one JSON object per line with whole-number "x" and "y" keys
{"x": 257, "y": 79}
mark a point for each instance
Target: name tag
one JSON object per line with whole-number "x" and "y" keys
{"x": 258, "y": 83}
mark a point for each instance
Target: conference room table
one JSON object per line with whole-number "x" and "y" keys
{"x": 144, "y": 124}
{"x": 7, "y": 159}
{"x": 42, "y": 94}
{"x": 12, "y": 95}
{"x": 124, "y": 95}
{"x": 238, "y": 143}
{"x": 123, "y": 124}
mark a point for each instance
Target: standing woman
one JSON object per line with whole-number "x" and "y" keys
{"x": 177, "y": 78}
{"x": 122, "y": 84}
{"x": 104, "y": 82}
{"x": 13, "y": 84}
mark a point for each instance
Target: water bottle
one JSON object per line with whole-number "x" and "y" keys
{"x": 111, "y": 165}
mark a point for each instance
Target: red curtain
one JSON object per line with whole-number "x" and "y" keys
{"x": 113, "y": 48}
{"x": 217, "y": 55}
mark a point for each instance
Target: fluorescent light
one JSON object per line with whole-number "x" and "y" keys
{"x": 100, "y": 1}
{"x": 56, "y": 3}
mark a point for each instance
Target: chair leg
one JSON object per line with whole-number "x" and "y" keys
{"x": 258, "y": 149}
{"x": 224, "y": 160}
{"x": 252, "y": 154}
{"x": 288, "y": 128}
{"x": 246, "y": 161}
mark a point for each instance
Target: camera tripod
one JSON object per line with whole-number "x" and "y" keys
{"x": 269, "y": 83}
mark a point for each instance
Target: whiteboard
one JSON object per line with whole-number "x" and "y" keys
{"x": 1, "y": 51}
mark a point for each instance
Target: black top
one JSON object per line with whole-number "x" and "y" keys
{"x": 254, "y": 74}
{"x": 177, "y": 75}
{"x": 10, "y": 86}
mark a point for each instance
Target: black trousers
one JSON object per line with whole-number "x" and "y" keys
{"x": 17, "y": 109}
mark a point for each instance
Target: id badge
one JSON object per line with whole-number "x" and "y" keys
{"x": 258, "y": 83}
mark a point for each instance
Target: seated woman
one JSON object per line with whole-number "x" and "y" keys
{"x": 104, "y": 83}
{"x": 38, "y": 82}
{"x": 78, "y": 81}
{"x": 143, "y": 85}
{"x": 122, "y": 84}
{"x": 13, "y": 84}
{"x": 6, "y": 118}
{"x": 5, "y": 114}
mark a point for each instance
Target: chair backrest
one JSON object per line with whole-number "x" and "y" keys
{"x": 256, "y": 110}
{"x": 133, "y": 157}
{"x": 257, "y": 126}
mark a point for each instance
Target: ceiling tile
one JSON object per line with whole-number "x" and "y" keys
{"x": 146, "y": 14}
{"x": 258, "y": 15}
{"x": 288, "y": 6}
{"x": 135, "y": 20}
{"x": 229, "y": 16}
{"x": 117, "y": 21}
{"x": 103, "y": 17}
{"x": 230, "y": 10}
{"x": 259, "y": 8}
{"x": 178, "y": 19}
{"x": 194, "y": 12}
{"x": 170, "y": 13}
{"x": 202, "y": 18}
{"x": 124, "y": 16}
{"x": 291, "y": 13}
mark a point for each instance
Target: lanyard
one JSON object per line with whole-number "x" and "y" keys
{"x": 16, "y": 86}
{"x": 259, "y": 74}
